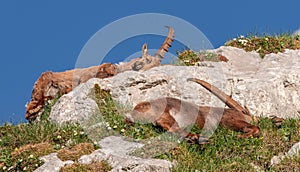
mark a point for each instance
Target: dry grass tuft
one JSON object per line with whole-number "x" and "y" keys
{"x": 94, "y": 167}
{"x": 75, "y": 152}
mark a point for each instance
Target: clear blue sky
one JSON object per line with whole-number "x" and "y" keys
{"x": 37, "y": 36}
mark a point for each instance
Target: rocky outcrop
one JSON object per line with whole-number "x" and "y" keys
{"x": 268, "y": 86}
{"x": 52, "y": 163}
{"x": 115, "y": 150}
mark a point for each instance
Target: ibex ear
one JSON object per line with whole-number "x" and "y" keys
{"x": 145, "y": 50}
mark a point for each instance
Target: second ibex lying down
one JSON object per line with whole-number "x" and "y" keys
{"x": 174, "y": 115}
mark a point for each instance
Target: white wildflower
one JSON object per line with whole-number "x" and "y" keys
{"x": 243, "y": 41}
{"x": 75, "y": 132}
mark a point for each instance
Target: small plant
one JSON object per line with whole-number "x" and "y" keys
{"x": 191, "y": 58}
{"x": 75, "y": 152}
{"x": 266, "y": 44}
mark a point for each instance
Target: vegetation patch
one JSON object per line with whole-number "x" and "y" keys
{"x": 266, "y": 44}
{"x": 190, "y": 58}
{"x": 101, "y": 166}
{"x": 228, "y": 153}
{"x": 22, "y": 145}
{"x": 75, "y": 152}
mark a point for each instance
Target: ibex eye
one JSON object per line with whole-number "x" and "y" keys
{"x": 137, "y": 66}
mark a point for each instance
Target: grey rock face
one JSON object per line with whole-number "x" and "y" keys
{"x": 52, "y": 163}
{"x": 268, "y": 86}
{"x": 115, "y": 151}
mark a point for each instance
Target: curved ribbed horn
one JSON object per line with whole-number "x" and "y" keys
{"x": 221, "y": 95}
{"x": 166, "y": 44}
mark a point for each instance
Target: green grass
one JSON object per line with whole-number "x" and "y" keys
{"x": 228, "y": 153}
{"x": 188, "y": 57}
{"x": 20, "y": 145}
{"x": 266, "y": 44}
{"x": 262, "y": 44}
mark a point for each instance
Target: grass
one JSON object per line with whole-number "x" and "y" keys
{"x": 101, "y": 166}
{"x": 266, "y": 44}
{"x": 228, "y": 153}
{"x": 188, "y": 57}
{"x": 21, "y": 145}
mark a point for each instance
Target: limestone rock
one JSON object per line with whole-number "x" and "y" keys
{"x": 115, "y": 151}
{"x": 268, "y": 86}
{"x": 75, "y": 106}
{"x": 52, "y": 163}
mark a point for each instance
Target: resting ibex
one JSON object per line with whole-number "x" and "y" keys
{"x": 174, "y": 114}
{"x": 51, "y": 84}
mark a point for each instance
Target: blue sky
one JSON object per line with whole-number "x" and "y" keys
{"x": 38, "y": 36}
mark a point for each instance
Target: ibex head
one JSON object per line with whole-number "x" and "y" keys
{"x": 147, "y": 61}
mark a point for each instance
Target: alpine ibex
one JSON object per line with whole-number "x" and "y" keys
{"x": 51, "y": 84}
{"x": 174, "y": 115}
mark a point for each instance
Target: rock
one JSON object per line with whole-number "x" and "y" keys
{"x": 268, "y": 86}
{"x": 294, "y": 151}
{"x": 115, "y": 150}
{"x": 52, "y": 163}
{"x": 75, "y": 106}
{"x": 117, "y": 146}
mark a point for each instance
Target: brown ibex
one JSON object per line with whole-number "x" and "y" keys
{"x": 174, "y": 115}
{"x": 51, "y": 84}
